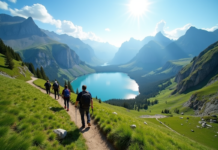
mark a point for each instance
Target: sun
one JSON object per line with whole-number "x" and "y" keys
{"x": 138, "y": 7}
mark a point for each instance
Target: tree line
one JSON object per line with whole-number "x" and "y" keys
{"x": 142, "y": 102}
{"x": 9, "y": 55}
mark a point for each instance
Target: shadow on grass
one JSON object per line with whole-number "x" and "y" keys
{"x": 3, "y": 66}
{"x": 71, "y": 137}
{"x": 55, "y": 109}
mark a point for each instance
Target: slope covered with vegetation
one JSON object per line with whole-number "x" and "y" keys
{"x": 118, "y": 130}
{"x": 202, "y": 67}
{"x": 18, "y": 72}
{"x": 28, "y": 118}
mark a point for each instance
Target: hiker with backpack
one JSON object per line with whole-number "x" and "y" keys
{"x": 84, "y": 99}
{"x": 66, "y": 97}
{"x": 56, "y": 89}
{"x": 47, "y": 87}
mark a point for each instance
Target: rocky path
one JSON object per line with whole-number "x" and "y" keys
{"x": 94, "y": 139}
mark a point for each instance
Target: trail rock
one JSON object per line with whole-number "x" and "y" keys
{"x": 181, "y": 124}
{"x": 115, "y": 113}
{"x": 192, "y": 130}
{"x": 133, "y": 126}
{"x": 145, "y": 123}
{"x": 216, "y": 135}
{"x": 182, "y": 113}
{"x": 181, "y": 117}
{"x": 202, "y": 119}
{"x": 61, "y": 133}
{"x": 198, "y": 126}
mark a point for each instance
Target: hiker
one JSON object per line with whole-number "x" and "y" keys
{"x": 66, "y": 97}
{"x": 56, "y": 89}
{"x": 84, "y": 99}
{"x": 47, "y": 87}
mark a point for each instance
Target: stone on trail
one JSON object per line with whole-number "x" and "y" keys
{"x": 145, "y": 122}
{"x": 61, "y": 133}
{"x": 181, "y": 117}
{"x": 192, "y": 130}
{"x": 198, "y": 126}
{"x": 182, "y": 113}
{"x": 202, "y": 119}
{"x": 181, "y": 124}
{"x": 115, "y": 113}
{"x": 133, "y": 126}
{"x": 215, "y": 135}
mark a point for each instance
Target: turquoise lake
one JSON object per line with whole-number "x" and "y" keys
{"x": 108, "y": 85}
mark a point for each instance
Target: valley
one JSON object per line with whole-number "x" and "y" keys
{"x": 157, "y": 89}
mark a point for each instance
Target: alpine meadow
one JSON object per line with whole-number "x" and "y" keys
{"x": 108, "y": 75}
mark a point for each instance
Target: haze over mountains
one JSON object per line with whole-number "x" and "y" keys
{"x": 59, "y": 61}
{"x": 85, "y": 52}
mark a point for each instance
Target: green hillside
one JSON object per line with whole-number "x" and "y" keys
{"x": 118, "y": 130}
{"x": 28, "y": 118}
{"x": 58, "y": 61}
{"x": 18, "y": 72}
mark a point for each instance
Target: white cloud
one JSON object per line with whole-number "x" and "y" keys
{"x": 173, "y": 34}
{"x": 37, "y": 12}
{"x": 211, "y": 29}
{"x": 3, "y": 5}
{"x": 107, "y": 29}
{"x": 13, "y": 1}
{"x": 69, "y": 28}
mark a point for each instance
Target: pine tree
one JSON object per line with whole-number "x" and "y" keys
{"x": 65, "y": 83}
{"x": 9, "y": 61}
{"x": 96, "y": 97}
{"x": 70, "y": 87}
{"x": 38, "y": 73}
{"x": 32, "y": 69}
{"x": 43, "y": 73}
{"x": 77, "y": 91}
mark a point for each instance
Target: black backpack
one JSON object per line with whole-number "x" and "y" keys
{"x": 55, "y": 85}
{"x": 47, "y": 85}
{"x": 85, "y": 100}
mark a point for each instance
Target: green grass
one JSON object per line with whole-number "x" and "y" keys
{"x": 118, "y": 131}
{"x": 205, "y": 136}
{"x": 16, "y": 70}
{"x": 27, "y": 121}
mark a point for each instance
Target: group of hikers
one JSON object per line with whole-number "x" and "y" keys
{"x": 84, "y": 99}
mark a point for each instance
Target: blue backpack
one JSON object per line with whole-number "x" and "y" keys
{"x": 66, "y": 93}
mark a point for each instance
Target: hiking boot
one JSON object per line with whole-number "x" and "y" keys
{"x": 83, "y": 126}
{"x": 89, "y": 124}
{"x": 67, "y": 109}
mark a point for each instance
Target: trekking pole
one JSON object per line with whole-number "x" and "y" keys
{"x": 76, "y": 115}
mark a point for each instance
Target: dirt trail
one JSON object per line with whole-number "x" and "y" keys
{"x": 94, "y": 139}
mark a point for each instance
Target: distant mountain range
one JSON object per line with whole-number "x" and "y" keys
{"x": 85, "y": 52}
{"x": 59, "y": 61}
{"x": 156, "y": 53}
{"x": 129, "y": 49}
{"x": 105, "y": 51}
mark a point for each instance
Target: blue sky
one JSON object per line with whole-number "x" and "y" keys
{"x": 113, "y": 21}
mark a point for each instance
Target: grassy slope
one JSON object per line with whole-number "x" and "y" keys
{"x": 16, "y": 71}
{"x": 176, "y": 101}
{"x": 27, "y": 122}
{"x": 117, "y": 128}
{"x": 55, "y": 72}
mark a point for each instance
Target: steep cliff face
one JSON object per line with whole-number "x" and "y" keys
{"x": 51, "y": 55}
{"x": 200, "y": 67}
